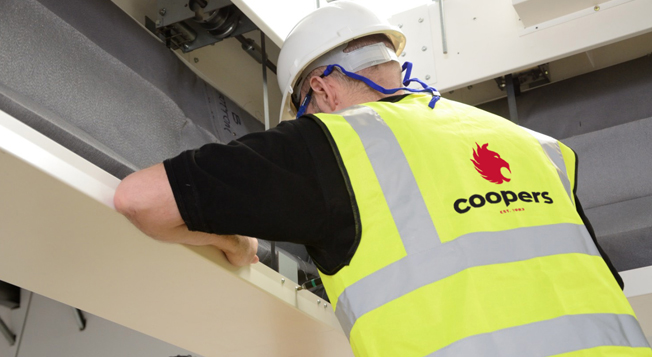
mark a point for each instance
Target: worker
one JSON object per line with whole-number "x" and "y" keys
{"x": 438, "y": 229}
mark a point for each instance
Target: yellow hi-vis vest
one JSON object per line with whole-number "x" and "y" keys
{"x": 470, "y": 241}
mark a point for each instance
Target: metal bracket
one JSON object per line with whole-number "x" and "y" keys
{"x": 197, "y": 23}
{"x": 511, "y": 98}
{"x": 251, "y": 47}
{"x": 514, "y": 84}
{"x": 288, "y": 267}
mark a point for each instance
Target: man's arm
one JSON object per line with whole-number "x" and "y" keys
{"x": 146, "y": 199}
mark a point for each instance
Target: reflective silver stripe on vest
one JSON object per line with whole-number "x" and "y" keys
{"x": 551, "y": 337}
{"x": 396, "y": 179}
{"x": 470, "y": 250}
{"x": 553, "y": 151}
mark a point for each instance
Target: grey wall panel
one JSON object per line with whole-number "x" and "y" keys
{"x": 62, "y": 71}
{"x": 615, "y": 164}
{"x": 615, "y": 188}
{"x": 624, "y": 230}
{"x": 55, "y": 127}
{"x": 586, "y": 103}
{"x": 622, "y": 216}
{"x": 129, "y": 93}
{"x": 629, "y": 250}
{"x": 103, "y": 23}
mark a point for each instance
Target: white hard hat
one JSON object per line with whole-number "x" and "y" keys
{"x": 321, "y": 31}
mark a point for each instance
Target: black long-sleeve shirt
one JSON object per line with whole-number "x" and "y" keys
{"x": 280, "y": 185}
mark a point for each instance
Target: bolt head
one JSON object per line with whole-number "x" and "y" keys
{"x": 596, "y": 8}
{"x": 318, "y": 302}
{"x": 197, "y": 60}
{"x": 420, "y": 19}
{"x": 400, "y": 26}
{"x": 162, "y": 12}
{"x": 282, "y": 280}
{"x": 424, "y": 48}
{"x": 403, "y": 54}
{"x": 158, "y": 22}
{"x": 427, "y": 76}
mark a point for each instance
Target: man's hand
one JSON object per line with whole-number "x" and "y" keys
{"x": 244, "y": 251}
{"x": 145, "y": 198}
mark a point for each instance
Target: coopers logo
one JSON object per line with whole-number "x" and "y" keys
{"x": 489, "y": 165}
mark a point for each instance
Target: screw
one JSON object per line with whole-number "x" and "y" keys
{"x": 502, "y": 85}
{"x": 420, "y": 19}
{"x": 162, "y": 12}
{"x": 186, "y": 46}
{"x": 400, "y": 26}
{"x": 424, "y": 48}
{"x": 451, "y": 92}
{"x": 325, "y": 306}
{"x": 596, "y": 8}
{"x": 234, "y": 134}
{"x": 296, "y": 288}
{"x": 282, "y": 280}
{"x": 196, "y": 59}
{"x": 469, "y": 87}
{"x": 318, "y": 302}
{"x": 158, "y": 22}
{"x": 403, "y": 54}
{"x": 474, "y": 18}
{"x": 427, "y": 76}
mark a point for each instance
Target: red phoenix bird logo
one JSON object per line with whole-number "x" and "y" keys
{"x": 488, "y": 163}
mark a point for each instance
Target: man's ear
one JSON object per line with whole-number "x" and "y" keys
{"x": 324, "y": 93}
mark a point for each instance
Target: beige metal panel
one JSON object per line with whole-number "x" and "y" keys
{"x": 224, "y": 65}
{"x": 534, "y": 12}
{"x": 63, "y": 244}
{"x": 487, "y": 40}
{"x": 638, "y": 289}
{"x": 637, "y": 281}
{"x": 233, "y": 72}
{"x": 564, "y": 68}
{"x": 643, "y": 308}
